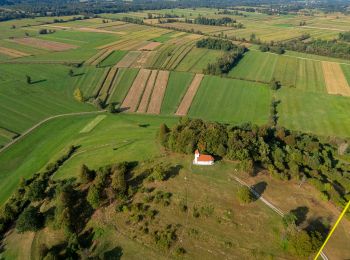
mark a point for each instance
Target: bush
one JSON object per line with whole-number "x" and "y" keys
{"x": 244, "y": 195}
{"x": 30, "y": 220}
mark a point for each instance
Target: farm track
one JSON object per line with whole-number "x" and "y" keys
{"x": 133, "y": 97}
{"x": 148, "y": 92}
{"x": 158, "y": 93}
{"x": 189, "y": 96}
{"x": 27, "y": 132}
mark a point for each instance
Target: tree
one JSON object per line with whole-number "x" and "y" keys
{"x": 28, "y": 79}
{"x": 111, "y": 108}
{"x": 71, "y": 73}
{"x": 274, "y": 84}
{"x": 78, "y": 95}
{"x": 36, "y": 191}
{"x": 30, "y": 220}
{"x": 244, "y": 195}
{"x": 94, "y": 196}
{"x": 86, "y": 175}
{"x": 119, "y": 184}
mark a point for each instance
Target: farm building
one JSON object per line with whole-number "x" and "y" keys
{"x": 202, "y": 159}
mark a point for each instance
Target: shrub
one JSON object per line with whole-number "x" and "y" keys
{"x": 244, "y": 195}
{"x": 30, "y": 220}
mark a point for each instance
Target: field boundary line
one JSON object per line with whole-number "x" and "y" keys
{"x": 28, "y": 131}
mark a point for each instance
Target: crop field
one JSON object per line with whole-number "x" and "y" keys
{"x": 198, "y": 59}
{"x": 125, "y": 78}
{"x": 231, "y": 101}
{"x": 336, "y": 82}
{"x": 113, "y": 58}
{"x": 128, "y": 59}
{"x": 176, "y": 89}
{"x": 156, "y": 99}
{"x": 147, "y": 92}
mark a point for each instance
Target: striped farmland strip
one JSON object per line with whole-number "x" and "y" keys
{"x": 160, "y": 85}
{"x": 95, "y": 57}
{"x": 128, "y": 59}
{"x": 102, "y": 57}
{"x": 13, "y": 53}
{"x": 107, "y": 84}
{"x": 147, "y": 93}
{"x": 133, "y": 97}
{"x": 189, "y": 96}
{"x": 101, "y": 83}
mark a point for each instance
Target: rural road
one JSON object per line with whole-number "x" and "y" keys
{"x": 44, "y": 121}
{"x": 269, "y": 204}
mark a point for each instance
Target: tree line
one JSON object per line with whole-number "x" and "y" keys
{"x": 227, "y": 21}
{"x": 216, "y": 44}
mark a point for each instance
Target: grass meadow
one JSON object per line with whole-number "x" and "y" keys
{"x": 22, "y": 105}
{"x": 231, "y": 101}
{"x": 319, "y": 113}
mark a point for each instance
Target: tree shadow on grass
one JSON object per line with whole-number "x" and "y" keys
{"x": 37, "y": 81}
{"x": 173, "y": 171}
{"x": 259, "y": 188}
{"x": 114, "y": 254}
{"x": 300, "y": 213}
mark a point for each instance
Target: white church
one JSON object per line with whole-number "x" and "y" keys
{"x": 202, "y": 159}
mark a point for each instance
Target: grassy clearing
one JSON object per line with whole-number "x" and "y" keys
{"x": 165, "y": 37}
{"x": 116, "y": 138}
{"x": 125, "y": 78}
{"x": 231, "y": 101}
{"x": 319, "y": 113}
{"x": 176, "y": 89}
{"x": 92, "y": 124}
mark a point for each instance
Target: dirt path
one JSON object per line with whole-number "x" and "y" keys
{"x": 335, "y": 80}
{"x": 147, "y": 93}
{"x": 189, "y": 96}
{"x": 133, "y": 97}
{"x": 24, "y": 134}
{"x": 160, "y": 85}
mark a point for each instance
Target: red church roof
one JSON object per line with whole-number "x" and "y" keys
{"x": 205, "y": 158}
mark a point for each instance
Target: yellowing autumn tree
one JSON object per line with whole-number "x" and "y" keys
{"x": 78, "y": 95}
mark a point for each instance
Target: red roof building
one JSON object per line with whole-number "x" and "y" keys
{"x": 202, "y": 159}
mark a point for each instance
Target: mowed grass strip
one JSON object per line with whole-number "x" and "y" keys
{"x": 125, "y": 78}
{"x": 178, "y": 84}
{"x": 92, "y": 124}
{"x": 346, "y": 71}
{"x": 231, "y": 101}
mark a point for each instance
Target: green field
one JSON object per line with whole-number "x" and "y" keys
{"x": 346, "y": 70}
{"x": 125, "y": 78}
{"x": 22, "y": 105}
{"x": 231, "y": 101}
{"x": 113, "y": 59}
{"x": 198, "y": 59}
{"x": 176, "y": 89}
{"x": 321, "y": 114}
